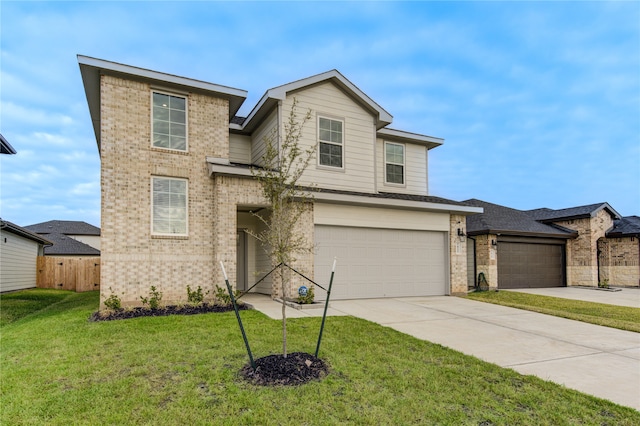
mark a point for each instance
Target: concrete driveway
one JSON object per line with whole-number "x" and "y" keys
{"x": 620, "y": 296}
{"x": 597, "y": 360}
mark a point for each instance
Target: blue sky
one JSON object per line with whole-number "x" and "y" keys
{"x": 538, "y": 102}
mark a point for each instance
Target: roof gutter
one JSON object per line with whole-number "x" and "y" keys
{"x": 513, "y": 233}
{"x": 17, "y": 230}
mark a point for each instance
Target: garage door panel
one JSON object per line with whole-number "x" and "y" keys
{"x": 529, "y": 265}
{"x": 380, "y": 262}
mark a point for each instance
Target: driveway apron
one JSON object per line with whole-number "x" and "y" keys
{"x": 597, "y": 360}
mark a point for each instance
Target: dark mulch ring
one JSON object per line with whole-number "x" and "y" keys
{"x": 164, "y": 311}
{"x": 296, "y": 369}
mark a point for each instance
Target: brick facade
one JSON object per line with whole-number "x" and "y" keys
{"x": 582, "y": 252}
{"x": 619, "y": 260}
{"x": 458, "y": 255}
{"x": 487, "y": 259}
{"x": 132, "y": 259}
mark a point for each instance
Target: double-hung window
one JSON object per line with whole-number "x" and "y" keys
{"x": 330, "y": 142}
{"x": 394, "y": 163}
{"x": 169, "y": 121}
{"x": 169, "y": 206}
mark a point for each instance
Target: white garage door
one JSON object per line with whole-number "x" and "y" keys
{"x": 380, "y": 262}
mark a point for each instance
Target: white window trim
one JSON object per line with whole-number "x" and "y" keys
{"x": 404, "y": 164}
{"x": 186, "y": 120}
{"x": 324, "y": 166}
{"x": 186, "y": 234}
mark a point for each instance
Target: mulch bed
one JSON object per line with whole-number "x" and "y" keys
{"x": 162, "y": 311}
{"x": 296, "y": 369}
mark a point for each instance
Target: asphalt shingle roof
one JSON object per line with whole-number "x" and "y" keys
{"x": 498, "y": 219}
{"x": 549, "y": 215}
{"x": 66, "y": 245}
{"x": 68, "y": 227}
{"x": 628, "y": 226}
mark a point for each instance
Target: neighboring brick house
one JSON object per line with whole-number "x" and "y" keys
{"x": 583, "y": 245}
{"x": 70, "y": 238}
{"x": 178, "y": 193}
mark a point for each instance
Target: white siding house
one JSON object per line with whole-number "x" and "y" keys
{"x": 19, "y": 249}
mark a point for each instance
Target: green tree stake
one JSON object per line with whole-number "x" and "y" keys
{"x": 235, "y": 307}
{"x": 326, "y": 305}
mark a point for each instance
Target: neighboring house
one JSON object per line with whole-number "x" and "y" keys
{"x": 69, "y": 237}
{"x": 178, "y": 193}
{"x": 19, "y": 249}
{"x": 5, "y": 146}
{"x": 583, "y": 245}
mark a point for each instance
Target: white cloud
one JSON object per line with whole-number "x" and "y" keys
{"x": 15, "y": 114}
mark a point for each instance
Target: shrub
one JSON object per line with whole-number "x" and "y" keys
{"x": 154, "y": 298}
{"x": 222, "y": 296}
{"x": 195, "y": 297}
{"x": 308, "y": 298}
{"x": 113, "y": 302}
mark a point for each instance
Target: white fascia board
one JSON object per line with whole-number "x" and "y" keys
{"x": 393, "y": 203}
{"x": 401, "y": 136}
{"x": 160, "y": 76}
{"x": 227, "y": 169}
{"x": 279, "y": 93}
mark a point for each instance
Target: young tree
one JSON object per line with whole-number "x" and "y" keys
{"x": 283, "y": 163}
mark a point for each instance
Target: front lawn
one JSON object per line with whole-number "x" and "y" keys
{"x": 622, "y": 317}
{"x": 57, "y": 368}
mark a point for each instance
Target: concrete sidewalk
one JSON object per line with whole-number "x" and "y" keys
{"x": 597, "y": 360}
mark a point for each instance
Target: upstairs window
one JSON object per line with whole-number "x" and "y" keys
{"x": 169, "y": 206}
{"x": 330, "y": 152}
{"x": 169, "y": 123}
{"x": 394, "y": 163}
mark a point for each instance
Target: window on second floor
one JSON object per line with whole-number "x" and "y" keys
{"x": 330, "y": 146}
{"x": 169, "y": 122}
{"x": 394, "y": 163}
{"x": 169, "y": 206}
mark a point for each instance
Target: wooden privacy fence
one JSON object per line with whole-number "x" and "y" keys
{"x": 68, "y": 273}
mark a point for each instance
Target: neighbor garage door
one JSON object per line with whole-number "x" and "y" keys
{"x": 528, "y": 265}
{"x": 375, "y": 262}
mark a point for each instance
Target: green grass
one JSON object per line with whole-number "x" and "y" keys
{"x": 16, "y": 305}
{"x": 621, "y": 317}
{"x": 56, "y": 368}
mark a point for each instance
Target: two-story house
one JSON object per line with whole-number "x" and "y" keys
{"x": 178, "y": 193}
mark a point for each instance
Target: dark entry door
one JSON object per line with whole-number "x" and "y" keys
{"x": 527, "y": 265}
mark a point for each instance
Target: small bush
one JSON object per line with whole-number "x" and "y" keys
{"x": 113, "y": 302}
{"x": 153, "y": 301}
{"x": 195, "y": 297}
{"x": 222, "y": 296}
{"x": 308, "y": 298}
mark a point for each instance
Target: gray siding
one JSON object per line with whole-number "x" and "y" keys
{"x": 266, "y": 130}
{"x": 326, "y": 100}
{"x": 239, "y": 149}
{"x": 415, "y": 170}
{"x": 17, "y": 262}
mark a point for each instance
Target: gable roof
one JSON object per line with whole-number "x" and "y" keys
{"x": 65, "y": 245}
{"x": 65, "y": 227}
{"x": 23, "y": 232}
{"x": 628, "y": 226}
{"x": 502, "y": 220}
{"x": 580, "y": 212}
{"x": 272, "y": 96}
{"x": 5, "y": 146}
